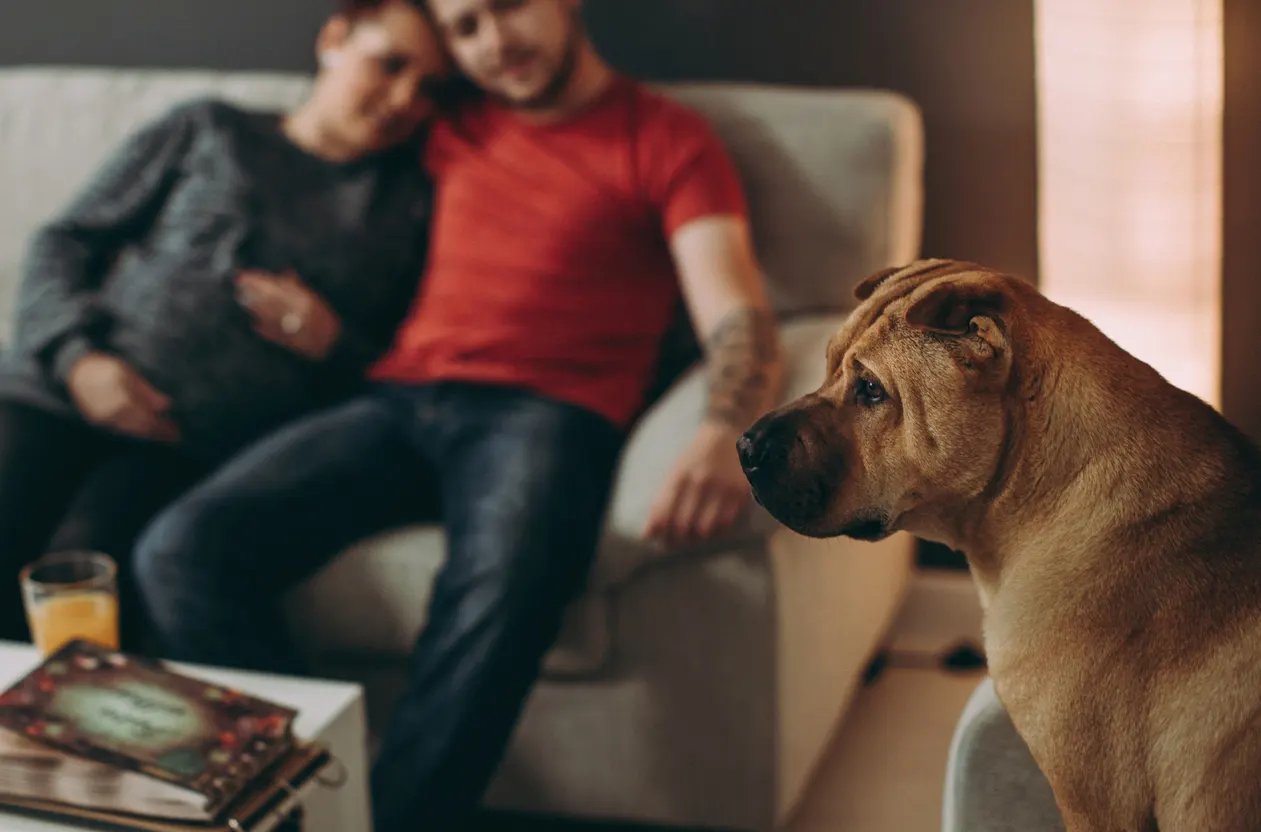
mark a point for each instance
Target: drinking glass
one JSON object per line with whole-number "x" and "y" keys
{"x": 71, "y": 595}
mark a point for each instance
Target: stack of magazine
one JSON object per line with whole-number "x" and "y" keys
{"x": 104, "y": 739}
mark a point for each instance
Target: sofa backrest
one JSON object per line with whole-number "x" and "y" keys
{"x": 834, "y": 177}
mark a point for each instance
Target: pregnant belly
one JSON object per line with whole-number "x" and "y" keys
{"x": 179, "y": 325}
{"x": 228, "y": 386}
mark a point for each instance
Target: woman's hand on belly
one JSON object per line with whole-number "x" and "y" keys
{"x": 112, "y": 395}
{"x": 288, "y": 312}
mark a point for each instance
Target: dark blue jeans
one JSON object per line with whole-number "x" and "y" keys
{"x": 521, "y": 484}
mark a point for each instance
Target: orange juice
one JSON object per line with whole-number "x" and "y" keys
{"x": 90, "y": 615}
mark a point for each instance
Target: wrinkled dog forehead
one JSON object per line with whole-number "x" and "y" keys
{"x": 887, "y": 288}
{"x": 903, "y": 280}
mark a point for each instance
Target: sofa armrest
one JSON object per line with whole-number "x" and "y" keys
{"x": 663, "y": 434}
{"x": 992, "y": 781}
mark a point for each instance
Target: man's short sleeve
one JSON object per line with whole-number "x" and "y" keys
{"x": 689, "y": 171}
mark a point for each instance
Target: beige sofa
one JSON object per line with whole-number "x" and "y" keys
{"x": 691, "y": 687}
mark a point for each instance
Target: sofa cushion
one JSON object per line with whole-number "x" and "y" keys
{"x": 372, "y": 601}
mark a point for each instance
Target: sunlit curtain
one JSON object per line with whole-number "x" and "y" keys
{"x": 1129, "y": 129}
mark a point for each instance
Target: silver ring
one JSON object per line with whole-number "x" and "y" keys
{"x": 291, "y": 323}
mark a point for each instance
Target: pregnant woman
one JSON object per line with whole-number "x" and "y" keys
{"x": 227, "y": 270}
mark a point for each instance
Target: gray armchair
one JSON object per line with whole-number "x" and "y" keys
{"x": 992, "y": 782}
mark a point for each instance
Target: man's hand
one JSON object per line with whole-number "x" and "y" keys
{"x": 706, "y": 492}
{"x": 109, "y": 393}
{"x": 286, "y": 311}
{"x": 726, "y": 297}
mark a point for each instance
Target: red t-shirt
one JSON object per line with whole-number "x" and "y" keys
{"x": 549, "y": 263}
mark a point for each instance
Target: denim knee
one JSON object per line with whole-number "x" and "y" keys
{"x": 167, "y": 554}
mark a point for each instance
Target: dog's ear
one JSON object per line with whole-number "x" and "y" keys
{"x": 974, "y": 311}
{"x": 868, "y": 287}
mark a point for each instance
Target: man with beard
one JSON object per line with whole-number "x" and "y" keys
{"x": 575, "y": 210}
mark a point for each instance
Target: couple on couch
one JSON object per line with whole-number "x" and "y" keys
{"x": 289, "y": 356}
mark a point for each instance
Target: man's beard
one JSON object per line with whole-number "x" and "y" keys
{"x": 558, "y": 85}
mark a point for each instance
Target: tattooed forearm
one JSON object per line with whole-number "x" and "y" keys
{"x": 743, "y": 358}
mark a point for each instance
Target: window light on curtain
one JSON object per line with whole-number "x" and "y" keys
{"x": 1129, "y": 131}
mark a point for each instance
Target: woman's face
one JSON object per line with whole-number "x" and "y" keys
{"x": 375, "y": 76}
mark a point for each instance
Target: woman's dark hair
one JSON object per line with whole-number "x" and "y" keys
{"x": 447, "y": 96}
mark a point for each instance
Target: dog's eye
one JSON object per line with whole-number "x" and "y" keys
{"x": 869, "y": 392}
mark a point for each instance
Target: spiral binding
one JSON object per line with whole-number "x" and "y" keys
{"x": 279, "y": 812}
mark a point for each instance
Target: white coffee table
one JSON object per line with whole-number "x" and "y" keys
{"x": 331, "y": 712}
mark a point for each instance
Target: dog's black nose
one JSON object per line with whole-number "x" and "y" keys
{"x": 765, "y": 446}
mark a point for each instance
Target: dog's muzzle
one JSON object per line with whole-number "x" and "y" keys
{"x": 777, "y": 461}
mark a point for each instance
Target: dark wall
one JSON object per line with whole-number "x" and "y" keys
{"x": 1241, "y": 242}
{"x": 220, "y": 34}
{"x": 967, "y": 63}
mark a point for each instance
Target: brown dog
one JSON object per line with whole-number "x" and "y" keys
{"x": 1112, "y": 523}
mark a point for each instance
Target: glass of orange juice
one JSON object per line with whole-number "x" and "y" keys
{"x": 71, "y": 595}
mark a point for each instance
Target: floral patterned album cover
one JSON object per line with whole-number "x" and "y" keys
{"x": 135, "y": 714}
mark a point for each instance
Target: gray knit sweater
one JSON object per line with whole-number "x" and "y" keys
{"x": 141, "y": 264}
